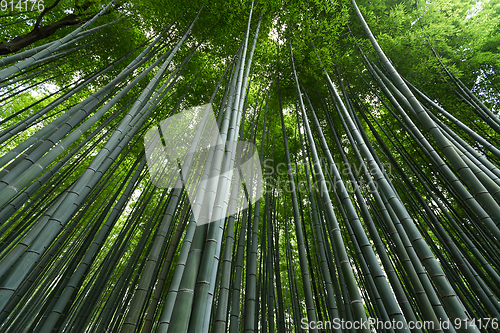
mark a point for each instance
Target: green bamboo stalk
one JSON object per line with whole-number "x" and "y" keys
{"x": 4, "y": 73}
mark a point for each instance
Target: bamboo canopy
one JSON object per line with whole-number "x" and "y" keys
{"x": 329, "y": 185}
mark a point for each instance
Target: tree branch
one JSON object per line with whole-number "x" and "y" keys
{"x": 38, "y": 33}
{"x": 35, "y": 35}
{"x": 42, "y": 14}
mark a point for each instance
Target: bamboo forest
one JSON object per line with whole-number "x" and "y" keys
{"x": 334, "y": 166}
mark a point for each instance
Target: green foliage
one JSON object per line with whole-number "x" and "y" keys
{"x": 463, "y": 34}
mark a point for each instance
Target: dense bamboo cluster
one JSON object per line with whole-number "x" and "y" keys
{"x": 360, "y": 230}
